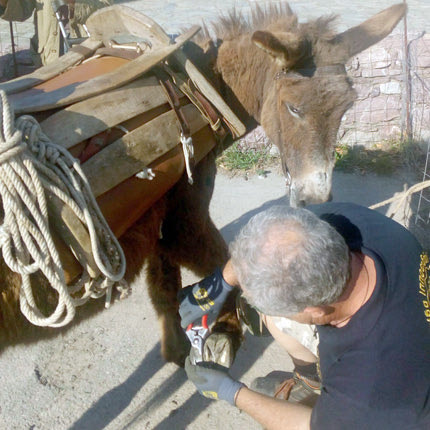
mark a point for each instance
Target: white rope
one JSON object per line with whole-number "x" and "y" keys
{"x": 29, "y": 163}
{"x": 401, "y": 198}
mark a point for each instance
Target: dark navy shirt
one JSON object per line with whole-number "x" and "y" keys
{"x": 376, "y": 369}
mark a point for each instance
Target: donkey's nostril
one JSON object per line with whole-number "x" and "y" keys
{"x": 301, "y": 204}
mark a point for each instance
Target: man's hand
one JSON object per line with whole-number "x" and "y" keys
{"x": 204, "y": 297}
{"x": 213, "y": 381}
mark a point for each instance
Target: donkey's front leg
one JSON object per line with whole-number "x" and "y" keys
{"x": 164, "y": 281}
{"x": 202, "y": 254}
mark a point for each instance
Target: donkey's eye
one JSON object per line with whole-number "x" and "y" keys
{"x": 293, "y": 110}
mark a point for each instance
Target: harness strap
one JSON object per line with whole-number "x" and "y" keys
{"x": 186, "y": 140}
{"x": 214, "y": 118}
{"x": 173, "y": 99}
{"x": 200, "y": 102}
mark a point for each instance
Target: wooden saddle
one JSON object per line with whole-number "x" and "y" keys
{"x": 122, "y": 102}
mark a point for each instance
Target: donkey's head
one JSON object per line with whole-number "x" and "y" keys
{"x": 308, "y": 95}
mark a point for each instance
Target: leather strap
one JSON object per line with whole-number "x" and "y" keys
{"x": 172, "y": 97}
{"x": 284, "y": 390}
{"x": 200, "y": 101}
{"x": 215, "y": 118}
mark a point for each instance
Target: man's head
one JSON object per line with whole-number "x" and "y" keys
{"x": 287, "y": 259}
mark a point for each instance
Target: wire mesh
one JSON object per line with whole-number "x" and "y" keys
{"x": 419, "y": 58}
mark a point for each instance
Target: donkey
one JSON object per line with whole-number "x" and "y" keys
{"x": 291, "y": 79}
{"x": 287, "y": 76}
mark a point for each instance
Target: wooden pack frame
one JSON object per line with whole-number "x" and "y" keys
{"x": 84, "y": 95}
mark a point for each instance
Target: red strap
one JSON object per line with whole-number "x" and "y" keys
{"x": 205, "y": 321}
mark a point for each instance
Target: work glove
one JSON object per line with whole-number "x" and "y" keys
{"x": 213, "y": 381}
{"x": 204, "y": 297}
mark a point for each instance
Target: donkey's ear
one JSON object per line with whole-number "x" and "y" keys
{"x": 285, "y": 48}
{"x": 371, "y": 31}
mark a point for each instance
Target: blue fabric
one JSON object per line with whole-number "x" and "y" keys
{"x": 376, "y": 369}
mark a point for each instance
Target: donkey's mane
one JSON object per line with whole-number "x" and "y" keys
{"x": 272, "y": 17}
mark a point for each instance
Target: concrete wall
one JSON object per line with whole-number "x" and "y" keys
{"x": 380, "y": 79}
{"x": 378, "y": 75}
{"x": 380, "y": 111}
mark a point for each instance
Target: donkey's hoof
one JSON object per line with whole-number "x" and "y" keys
{"x": 176, "y": 355}
{"x": 175, "y": 347}
{"x": 219, "y": 349}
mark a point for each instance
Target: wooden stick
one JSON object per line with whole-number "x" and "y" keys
{"x": 138, "y": 149}
{"x": 12, "y": 41}
{"x": 109, "y": 81}
{"x": 108, "y": 22}
{"x": 41, "y": 75}
{"x": 85, "y": 119}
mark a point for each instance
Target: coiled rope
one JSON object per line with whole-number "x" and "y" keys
{"x": 29, "y": 164}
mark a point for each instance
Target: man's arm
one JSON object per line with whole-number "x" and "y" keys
{"x": 214, "y": 382}
{"x": 273, "y": 414}
{"x": 229, "y": 274}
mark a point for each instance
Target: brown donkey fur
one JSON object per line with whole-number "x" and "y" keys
{"x": 289, "y": 77}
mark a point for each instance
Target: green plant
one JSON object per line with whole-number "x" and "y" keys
{"x": 240, "y": 158}
{"x": 412, "y": 153}
{"x": 383, "y": 159}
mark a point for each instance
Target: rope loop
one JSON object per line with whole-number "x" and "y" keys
{"x": 11, "y": 143}
{"x": 30, "y": 164}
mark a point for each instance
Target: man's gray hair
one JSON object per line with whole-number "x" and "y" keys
{"x": 287, "y": 259}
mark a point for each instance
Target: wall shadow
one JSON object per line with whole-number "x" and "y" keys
{"x": 181, "y": 417}
{"x": 115, "y": 401}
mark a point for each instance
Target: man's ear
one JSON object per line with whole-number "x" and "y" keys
{"x": 315, "y": 311}
{"x": 319, "y": 311}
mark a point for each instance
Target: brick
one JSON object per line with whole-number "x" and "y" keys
{"x": 392, "y": 87}
{"x": 422, "y": 60}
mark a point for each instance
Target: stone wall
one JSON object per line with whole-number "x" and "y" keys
{"x": 380, "y": 111}
{"x": 380, "y": 79}
{"x": 378, "y": 74}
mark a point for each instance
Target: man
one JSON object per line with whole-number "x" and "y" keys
{"x": 45, "y": 45}
{"x": 363, "y": 280}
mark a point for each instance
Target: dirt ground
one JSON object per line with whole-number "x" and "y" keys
{"x": 107, "y": 372}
